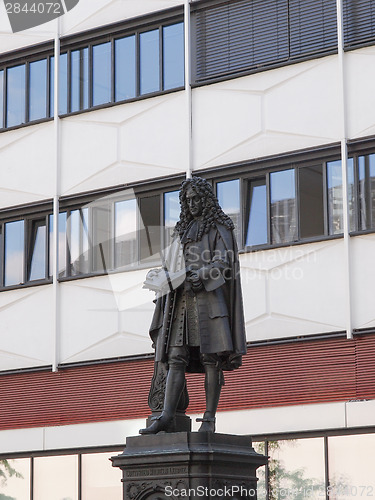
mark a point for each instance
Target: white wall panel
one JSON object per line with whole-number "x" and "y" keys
{"x": 27, "y": 164}
{"x": 294, "y": 291}
{"x": 363, "y": 279}
{"x": 105, "y": 317}
{"x": 124, "y": 143}
{"x": 266, "y": 113}
{"x": 26, "y": 328}
{"x": 360, "y": 73}
{"x": 90, "y": 14}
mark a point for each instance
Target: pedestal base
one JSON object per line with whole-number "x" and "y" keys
{"x": 189, "y": 465}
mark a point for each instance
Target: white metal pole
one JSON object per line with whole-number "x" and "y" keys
{"x": 55, "y": 259}
{"x": 188, "y": 92}
{"x": 344, "y": 166}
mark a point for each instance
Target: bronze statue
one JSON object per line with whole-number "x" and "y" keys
{"x": 198, "y": 323}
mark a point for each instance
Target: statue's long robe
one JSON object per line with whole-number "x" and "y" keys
{"x": 219, "y": 302}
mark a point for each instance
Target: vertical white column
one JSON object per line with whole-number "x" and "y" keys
{"x": 55, "y": 260}
{"x": 188, "y": 93}
{"x": 344, "y": 164}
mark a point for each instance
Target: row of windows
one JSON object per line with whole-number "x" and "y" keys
{"x": 123, "y": 68}
{"x": 297, "y": 469}
{"x": 229, "y": 38}
{"x": 124, "y": 231}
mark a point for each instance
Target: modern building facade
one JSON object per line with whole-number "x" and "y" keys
{"x": 103, "y": 113}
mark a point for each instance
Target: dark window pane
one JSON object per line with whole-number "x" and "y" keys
{"x": 311, "y": 201}
{"x": 171, "y": 213}
{"x": 78, "y": 242}
{"x": 14, "y": 253}
{"x": 257, "y": 228}
{"x": 366, "y": 178}
{"x": 75, "y": 80}
{"x": 79, "y": 80}
{"x": 61, "y": 244}
{"x": 149, "y": 62}
{"x": 125, "y": 68}
{"x": 37, "y": 263}
{"x": 228, "y": 195}
{"x": 335, "y": 201}
{"x": 63, "y": 84}
{"x": 173, "y": 56}
{"x": 101, "y": 238}
{"x": 1, "y": 99}
{"x": 15, "y": 95}
{"x": 38, "y": 90}
{"x": 125, "y": 233}
{"x": 101, "y": 73}
{"x": 283, "y": 206}
{"x": 149, "y": 233}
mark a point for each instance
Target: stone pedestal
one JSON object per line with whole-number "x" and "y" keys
{"x": 189, "y": 465}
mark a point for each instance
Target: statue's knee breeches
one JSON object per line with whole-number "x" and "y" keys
{"x": 179, "y": 356}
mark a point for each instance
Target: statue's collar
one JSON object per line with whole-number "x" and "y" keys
{"x": 192, "y": 231}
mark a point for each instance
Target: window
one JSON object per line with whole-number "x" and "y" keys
{"x": 257, "y": 222}
{"x": 335, "y": 196}
{"x": 241, "y": 35}
{"x": 38, "y": 249}
{"x": 283, "y": 206}
{"x": 150, "y": 228}
{"x": 56, "y": 477}
{"x": 16, "y": 480}
{"x": 16, "y": 95}
{"x": 79, "y": 79}
{"x": 125, "y": 233}
{"x": 14, "y": 253}
{"x": 311, "y": 201}
{"x": 101, "y": 74}
{"x": 38, "y": 90}
{"x": 1, "y": 98}
{"x": 62, "y": 245}
{"x": 125, "y": 68}
{"x": 171, "y": 214}
{"x": 228, "y": 195}
{"x": 99, "y": 479}
{"x": 366, "y": 186}
{"x": 359, "y": 25}
{"x": 149, "y": 62}
{"x": 173, "y": 56}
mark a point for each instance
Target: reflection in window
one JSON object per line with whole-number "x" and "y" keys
{"x": 78, "y": 242}
{"x": 125, "y": 68}
{"x": 297, "y": 465}
{"x": 260, "y": 447}
{"x": 56, "y": 478}
{"x": 63, "y": 85}
{"x": 228, "y": 195}
{"x": 101, "y": 73}
{"x": 101, "y": 238}
{"x": 335, "y": 200}
{"x": 38, "y": 90}
{"x": 311, "y": 205}
{"x": 125, "y": 233}
{"x": 149, "y": 62}
{"x": 79, "y": 79}
{"x": 171, "y": 214}
{"x": 283, "y": 206}
{"x": 351, "y": 475}
{"x": 149, "y": 234}
{"x": 99, "y": 479}
{"x": 15, "y": 95}
{"x": 16, "y": 484}
{"x": 257, "y": 228}
{"x": 173, "y": 56}
{"x": 1, "y": 98}
{"x": 366, "y": 180}
{"x": 37, "y": 246}
{"x": 61, "y": 244}
{"x": 14, "y": 253}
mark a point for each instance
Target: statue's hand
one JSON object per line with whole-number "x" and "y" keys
{"x": 195, "y": 281}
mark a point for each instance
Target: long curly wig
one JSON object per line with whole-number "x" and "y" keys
{"x": 212, "y": 212}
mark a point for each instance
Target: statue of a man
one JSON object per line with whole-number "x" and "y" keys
{"x": 198, "y": 324}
